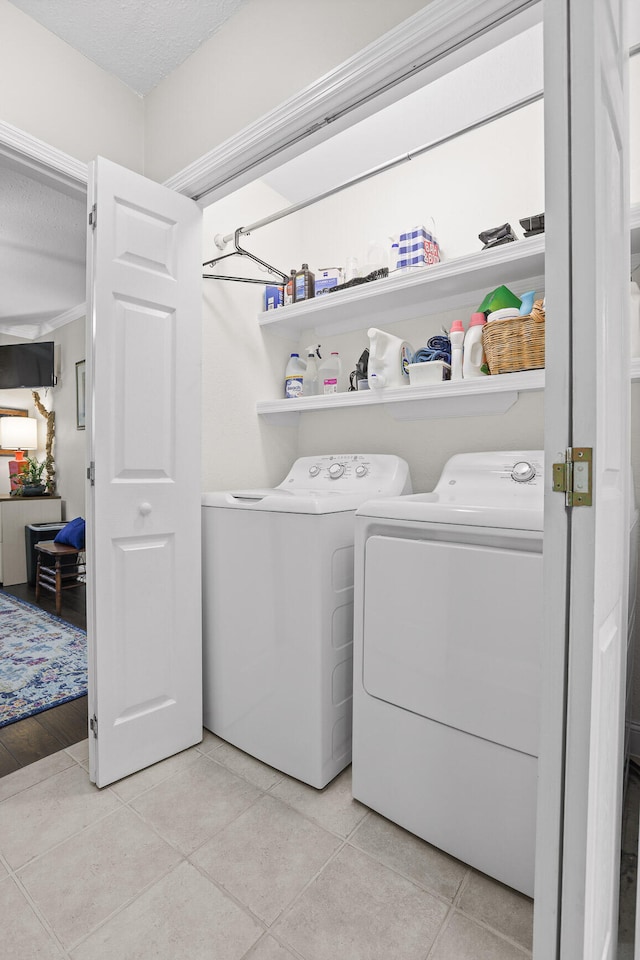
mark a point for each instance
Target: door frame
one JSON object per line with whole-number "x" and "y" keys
{"x": 389, "y": 68}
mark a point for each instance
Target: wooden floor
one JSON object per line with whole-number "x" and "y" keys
{"x": 36, "y": 737}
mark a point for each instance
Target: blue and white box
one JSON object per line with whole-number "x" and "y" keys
{"x": 273, "y": 297}
{"x": 327, "y": 278}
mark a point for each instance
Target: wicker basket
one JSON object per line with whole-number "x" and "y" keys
{"x": 515, "y": 344}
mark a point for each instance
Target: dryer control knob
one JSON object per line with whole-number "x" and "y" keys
{"x": 314, "y": 471}
{"x": 523, "y": 471}
{"x": 361, "y": 471}
{"x": 336, "y": 470}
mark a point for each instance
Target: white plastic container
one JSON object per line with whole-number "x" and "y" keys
{"x": 507, "y": 313}
{"x": 310, "y": 386}
{"x": 456, "y": 336}
{"x": 294, "y": 376}
{"x": 635, "y": 320}
{"x": 389, "y": 357}
{"x": 473, "y": 353}
{"x": 329, "y": 373}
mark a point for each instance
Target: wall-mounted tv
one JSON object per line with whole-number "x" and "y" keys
{"x": 27, "y": 365}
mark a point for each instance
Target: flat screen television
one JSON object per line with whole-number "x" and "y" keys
{"x": 27, "y": 365}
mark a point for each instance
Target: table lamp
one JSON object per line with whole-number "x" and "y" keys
{"x": 19, "y": 434}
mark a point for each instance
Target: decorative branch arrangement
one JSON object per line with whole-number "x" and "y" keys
{"x": 50, "y": 417}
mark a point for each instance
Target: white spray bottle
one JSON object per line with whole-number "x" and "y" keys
{"x": 311, "y": 388}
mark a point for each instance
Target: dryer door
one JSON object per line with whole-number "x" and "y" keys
{"x": 452, "y": 632}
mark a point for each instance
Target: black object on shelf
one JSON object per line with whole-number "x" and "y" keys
{"x": 34, "y": 533}
{"x": 496, "y": 236}
{"x": 533, "y": 225}
{"x": 374, "y": 275}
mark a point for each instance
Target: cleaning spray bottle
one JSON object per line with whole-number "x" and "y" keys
{"x": 456, "y": 336}
{"x": 311, "y": 386}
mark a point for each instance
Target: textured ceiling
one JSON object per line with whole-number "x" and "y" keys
{"x": 139, "y": 41}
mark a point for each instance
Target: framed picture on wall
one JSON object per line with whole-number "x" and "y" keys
{"x": 80, "y": 394}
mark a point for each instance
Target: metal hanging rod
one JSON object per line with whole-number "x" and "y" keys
{"x": 221, "y": 242}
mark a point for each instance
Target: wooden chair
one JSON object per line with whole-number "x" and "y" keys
{"x": 58, "y": 573}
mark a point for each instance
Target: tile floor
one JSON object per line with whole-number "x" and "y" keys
{"x": 214, "y": 855}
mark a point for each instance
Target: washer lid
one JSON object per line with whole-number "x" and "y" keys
{"x": 331, "y": 483}
{"x": 495, "y": 489}
{"x": 284, "y": 501}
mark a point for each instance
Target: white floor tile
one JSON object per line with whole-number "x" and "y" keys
{"x": 22, "y": 936}
{"x": 359, "y": 909}
{"x": 506, "y": 910}
{"x": 333, "y": 807}
{"x": 190, "y": 807}
{"x": 181, "y": 917}
{"x": 255, "y": 771}
{"x": 132, "y": 786}
{"x": 36, "y": 772}
{"x": 50, "y": 811}
{"x": 270, "y": 949}
{"x": 419, "y": 861}
{"x": 267, "y": 856}
{"x": 85, "y": 879}
{"x": 463, "y": 939}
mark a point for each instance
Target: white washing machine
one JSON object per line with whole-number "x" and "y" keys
{"x": 278, "y": 611}
{"x": 447, "y": 638}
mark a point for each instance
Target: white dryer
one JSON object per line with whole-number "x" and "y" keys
{"x": 447, "y": 638}
{"x": 278, "y": 611}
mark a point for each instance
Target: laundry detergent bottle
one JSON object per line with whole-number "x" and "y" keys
{"x": 389, "y": 357}
{"x": 294, "y": 377}
{"x": 473, "y": 353}
{"x": 456, "y": 336}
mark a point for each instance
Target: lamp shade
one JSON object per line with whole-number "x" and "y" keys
{"x": 18, "y": 433}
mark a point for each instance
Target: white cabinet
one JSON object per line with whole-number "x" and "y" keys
{"x": 444, "y": 286}
{"x": 15, "y": 514}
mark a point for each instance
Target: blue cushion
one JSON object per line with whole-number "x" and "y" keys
{"x": 72, "y": 534}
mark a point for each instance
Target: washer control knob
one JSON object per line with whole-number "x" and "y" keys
{"x": 314, "y": 471}
{"x": 523, "y": 471}
{"x": 361, "y": 471}
{"x": 336, "y": 470}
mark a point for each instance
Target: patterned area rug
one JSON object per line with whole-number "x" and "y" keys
{"x": 43, "y": 660}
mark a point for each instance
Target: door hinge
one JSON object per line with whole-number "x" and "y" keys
{"x": 93, "y": 216}
{"x": 574, "y": 476}
{"x": 93, "y": 725}
{"x": 91, "y": 473}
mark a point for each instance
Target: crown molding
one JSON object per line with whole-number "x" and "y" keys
{"x": 393, "y": 65}
{"x": 45, "y": 163}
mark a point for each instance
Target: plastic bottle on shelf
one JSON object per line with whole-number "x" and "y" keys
{"x": 311, "y": 385}
{"x": 456, "y": 336}
{"x": 473, "y": 353}
{"x": 290, "y": 289}
{"x": 305, "y": 284}
{"x": 294, "y": 377}
{"x": 329, "y": 373}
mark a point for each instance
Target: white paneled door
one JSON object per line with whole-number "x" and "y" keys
{"x": 587, "y": 266}
{"x": 143, "y": 419}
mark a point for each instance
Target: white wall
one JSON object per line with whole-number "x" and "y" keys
{"x": 68, "y": 449}
{"x": 52, "y": 92}
{"x": 267, "y": 52}
{"x": 467, "y": 185}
